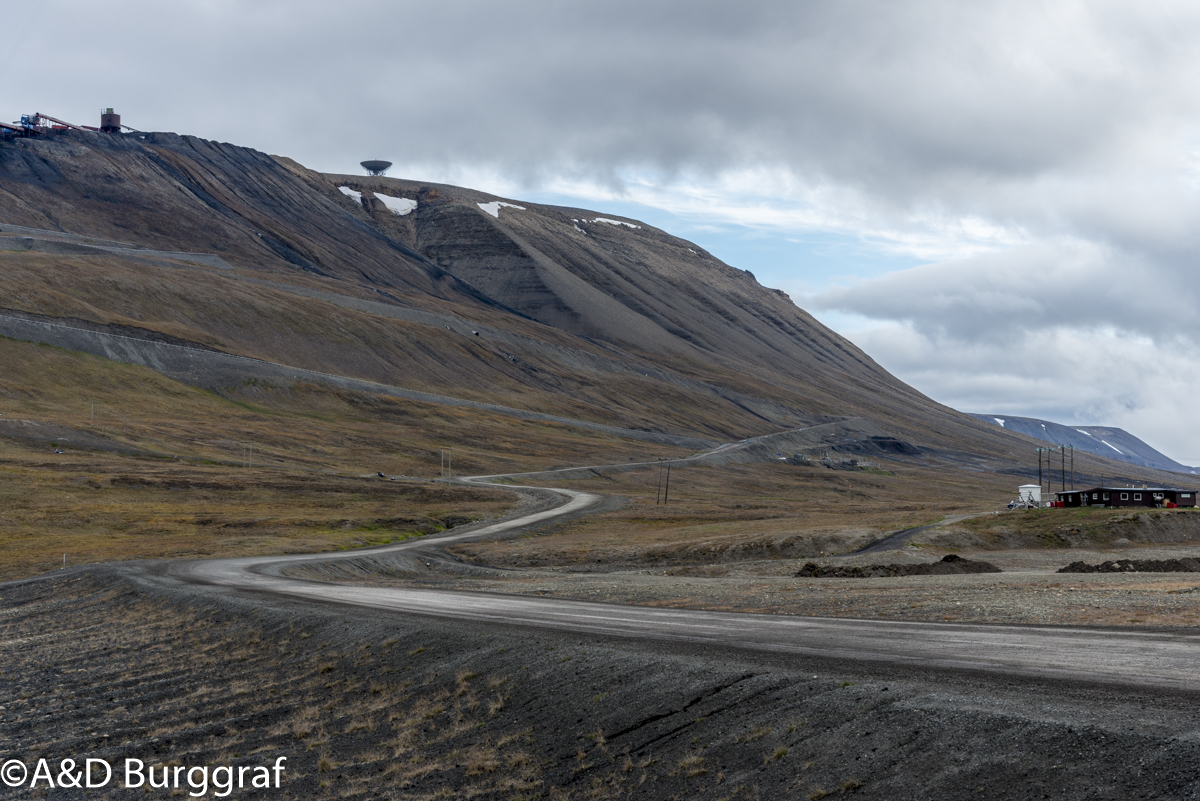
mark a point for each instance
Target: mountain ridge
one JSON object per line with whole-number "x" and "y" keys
{"x": 1106, "y": 441}
{"x": 550, "y": 309}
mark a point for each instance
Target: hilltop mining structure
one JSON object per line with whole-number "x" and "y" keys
{"x": 39, "y": 124}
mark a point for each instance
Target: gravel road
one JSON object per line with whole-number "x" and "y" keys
{"x": 428, "y": 693}
{"x": 1160, "y": 659}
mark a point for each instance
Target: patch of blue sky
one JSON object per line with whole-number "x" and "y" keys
{"x": 797, "y": 261}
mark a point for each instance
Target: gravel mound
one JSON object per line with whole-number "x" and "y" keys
{"x": 950, "y": 565}
{"x": 1184, "y": 565}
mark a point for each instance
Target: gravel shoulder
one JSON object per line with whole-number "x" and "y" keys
{"x": 106, "y": 663}
{"x": 1028, "y": 591}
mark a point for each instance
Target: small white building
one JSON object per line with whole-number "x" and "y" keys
{"x": 1030, "y": 493}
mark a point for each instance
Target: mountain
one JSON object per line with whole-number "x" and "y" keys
{"x": 1113, "y": 443}
{"x": 141, "y": 243}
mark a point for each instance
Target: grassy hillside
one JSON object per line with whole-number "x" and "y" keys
{"x": 160, "y": 470}
{"x": 563, "y": 310}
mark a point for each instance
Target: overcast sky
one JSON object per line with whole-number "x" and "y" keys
{"x": 998, "y": 202}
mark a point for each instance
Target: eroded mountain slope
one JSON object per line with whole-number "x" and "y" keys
{"x": 559, "y": 310}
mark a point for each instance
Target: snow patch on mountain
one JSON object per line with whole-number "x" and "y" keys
{"x": 397, "y": 205}
{"x": 494, "y": 207}
{"x": 615, "y": 222}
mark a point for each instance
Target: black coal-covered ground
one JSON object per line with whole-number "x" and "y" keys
{"x": 949, "y": 565}
{"x": 1135, "y": 566}
{"x": 364, "y": 704}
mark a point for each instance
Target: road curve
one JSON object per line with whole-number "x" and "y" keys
{"x": 1146, "y": 659}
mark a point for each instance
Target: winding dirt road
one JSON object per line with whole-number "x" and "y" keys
{"x": 1145, "y": 659}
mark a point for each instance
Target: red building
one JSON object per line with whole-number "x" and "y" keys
{"x": 1115, "y": 497}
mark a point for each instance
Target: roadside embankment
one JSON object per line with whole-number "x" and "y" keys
{"x": 113, "y": 663}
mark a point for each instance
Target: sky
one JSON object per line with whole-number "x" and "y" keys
{"x": 997, "y": 201}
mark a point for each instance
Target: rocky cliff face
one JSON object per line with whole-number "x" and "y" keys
{"x": 561, "y": 310}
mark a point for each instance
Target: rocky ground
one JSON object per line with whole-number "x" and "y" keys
{"x": 102, "y": 664}
{"x": 1027, "y": 591}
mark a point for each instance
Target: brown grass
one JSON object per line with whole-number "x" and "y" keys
{"x": 313, "y": 487}
{"x": 749, "y": 511}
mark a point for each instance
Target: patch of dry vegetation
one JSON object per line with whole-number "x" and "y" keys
{"x": 542, "y": 368}
{"x": 747, "y": 512}
{"x": 122, "y": 675}
{"x": 1075, "y": 528}
{"x": 159, "y": 473}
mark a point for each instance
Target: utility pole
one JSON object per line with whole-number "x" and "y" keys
{"x": 1062, "y": 454}
{"x": 1072, "y": 468}
{"x": 667, "y": 492}
{"x": 658, "y": 492}
{"x": 447, "y": 463}
{"x": 1039, "y": 450}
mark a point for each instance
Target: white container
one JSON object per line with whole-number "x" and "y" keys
{"x": 1029, "y": 493}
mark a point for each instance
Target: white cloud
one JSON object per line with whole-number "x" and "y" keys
{"x": 1072, "y": 375}
{"x": 1048, "y": 284}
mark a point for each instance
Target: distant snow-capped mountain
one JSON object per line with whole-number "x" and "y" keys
{"x": 1115, "y": 443}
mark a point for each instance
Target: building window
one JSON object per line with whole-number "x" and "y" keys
{"x": 1185, "y": 495}
{"x": 1137, "y": 496}
{"x": 1106, "y": 496}
{"x": 1124, "y": 496}
{"x": 1093, "y": 496}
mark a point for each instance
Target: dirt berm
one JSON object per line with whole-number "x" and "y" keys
{"x": 950, "y": 565}
{"x": 1136, "y": 566}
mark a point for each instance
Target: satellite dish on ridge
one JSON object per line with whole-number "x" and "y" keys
{"x": 376, "y": 167}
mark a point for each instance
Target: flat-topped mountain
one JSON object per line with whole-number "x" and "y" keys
{"x": 434, "y": 288}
